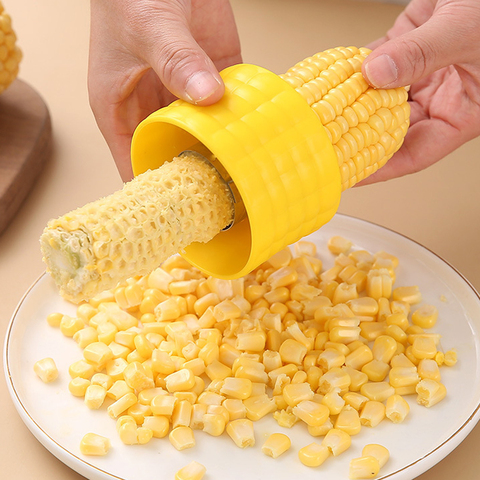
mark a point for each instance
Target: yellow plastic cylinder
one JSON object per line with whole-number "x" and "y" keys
{"x": 276, "y": 151}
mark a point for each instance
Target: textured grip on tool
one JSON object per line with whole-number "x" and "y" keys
{"x": 276, "y": 151}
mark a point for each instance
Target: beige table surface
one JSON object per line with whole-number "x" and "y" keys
{"x": 439, "y": 208}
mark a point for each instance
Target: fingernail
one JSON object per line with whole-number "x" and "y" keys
{"x": 381, "y": 71}
{"x": 200, "y": 86}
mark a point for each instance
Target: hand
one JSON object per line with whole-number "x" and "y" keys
{"x": 144, "y": 53}
{"x": 434, "y": 46}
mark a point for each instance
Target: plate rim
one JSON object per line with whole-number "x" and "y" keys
{"x": 82, "y": 466}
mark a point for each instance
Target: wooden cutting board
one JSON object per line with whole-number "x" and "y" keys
{"x": 25, "y": 144}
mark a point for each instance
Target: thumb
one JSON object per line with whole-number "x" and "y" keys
{"x": 407, "y": 58}
{"x": 183, "y": 67}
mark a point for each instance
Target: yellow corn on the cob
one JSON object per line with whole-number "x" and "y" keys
{"x": 10, "y": 54}
{"x": 162, "y": 211}
{"x": 366, "y": 126}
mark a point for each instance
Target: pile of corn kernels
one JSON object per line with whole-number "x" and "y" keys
{"x": 337, "y": 349}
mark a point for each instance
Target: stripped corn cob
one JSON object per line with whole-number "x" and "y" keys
{"x": 366, "y": 126}
{"x": 132, "y": 231}
{"x": 161, "y": 212}
{"x": 10, "y": 54}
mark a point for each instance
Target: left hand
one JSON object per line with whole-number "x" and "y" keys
{"x": 434, "y": 46}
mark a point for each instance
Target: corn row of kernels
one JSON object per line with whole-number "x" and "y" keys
{"x": 337, "y": 349}
{"x": 10, "y": 54}
{"x": 366, "y": 126}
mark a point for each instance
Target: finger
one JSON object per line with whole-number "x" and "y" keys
{"x": 416, "y": 13}
{"x": 181, "y": 64}
{"x": 417, "y": 53}
{"x": 120, "y": 148}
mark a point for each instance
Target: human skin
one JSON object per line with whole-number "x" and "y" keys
{"x": 434, "y": 46}
{"x": 146, "y": 53}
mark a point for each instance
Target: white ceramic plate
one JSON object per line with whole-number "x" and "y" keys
{"x": 59, "y": 420}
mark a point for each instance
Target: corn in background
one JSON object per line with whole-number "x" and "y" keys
{"x": 10, "y": 54}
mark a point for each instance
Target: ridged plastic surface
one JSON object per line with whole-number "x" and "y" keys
{"x": 276, "y": 151}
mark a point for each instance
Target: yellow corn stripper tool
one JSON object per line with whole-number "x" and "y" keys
{"x": 287, "y": 145}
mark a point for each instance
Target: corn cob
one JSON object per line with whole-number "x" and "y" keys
{"x": 366, "y": 126}
{"x": 133, "y": 230}
{"x": 157, "y": 214}
{"x": 10, "y": 54}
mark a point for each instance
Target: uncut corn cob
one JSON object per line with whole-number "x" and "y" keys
{"x": 132, "y": 231}
{"x": 10, "y": 54}
{"x": 366, "y": 127}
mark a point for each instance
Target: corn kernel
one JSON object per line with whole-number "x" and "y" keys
{"x": 450, "y": 358}
{"x": 144, "y": 435}
{"x": 338, "y": 245}
{"x": 296, "y": 393}
{"x": 322, "y": 430}
{"x": 282, "y": 277}
{"x": 355, "y": 400}
{"x": 95, "y": 396}
{"x": 426, "y": 316}
{"x": 71, "y": 325}
{"x": 377, "y": 451}
{"x": 103, "y": 380}
{"x": 430, "y": 392}
{"x": 313, "y": 455}
{"x": 424, "y": 347}
{"x": 357, "y": 379}
{"x": 82, "y": 369}
{"x": 359, "y": 357}
{"x": 348, "y": 420}
{"x": 240, "y": 388}
{"x": 93, "y": 444}
{"x": 276, "y": 444}
{"x": 97, "y": 353}
{"x": 397, "y": 409}
{"x": 410, "y": 294}
{"x": 182, "y": 438}
{"x": 78, "y": 386}
{"x": 292, "y": 351}
{"x": 121, "y": 405}
{"x": 376, "y": 370}
{"x": 127, "y": 431}
{"x": 312, "y": 413}
{"x": 372, "y": 413}
{"x": 181, "y": 414}
{"x": 163, "y": 405}
{"x": 363, "y": 467}
{"x": 364, "y": 306}
{"x": 241, "y": 432}
{"x": 46, "y": 369}
{"x": 251, "y": 341}
{"x": 285, "y": 419}
{"x": 192, "y": 471}
{"x": 54, "y": 319}
{"x": 335, "y": 378}
{"x": 337, "y": 441}
{"x": 378, "y": 391}
{"x": 333, "y": 401}
{"x": 259, "y": 406}
{"x": 384, "y": 348}
{"x": 138, "y": 377}
{"x": 428, "y": 368}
